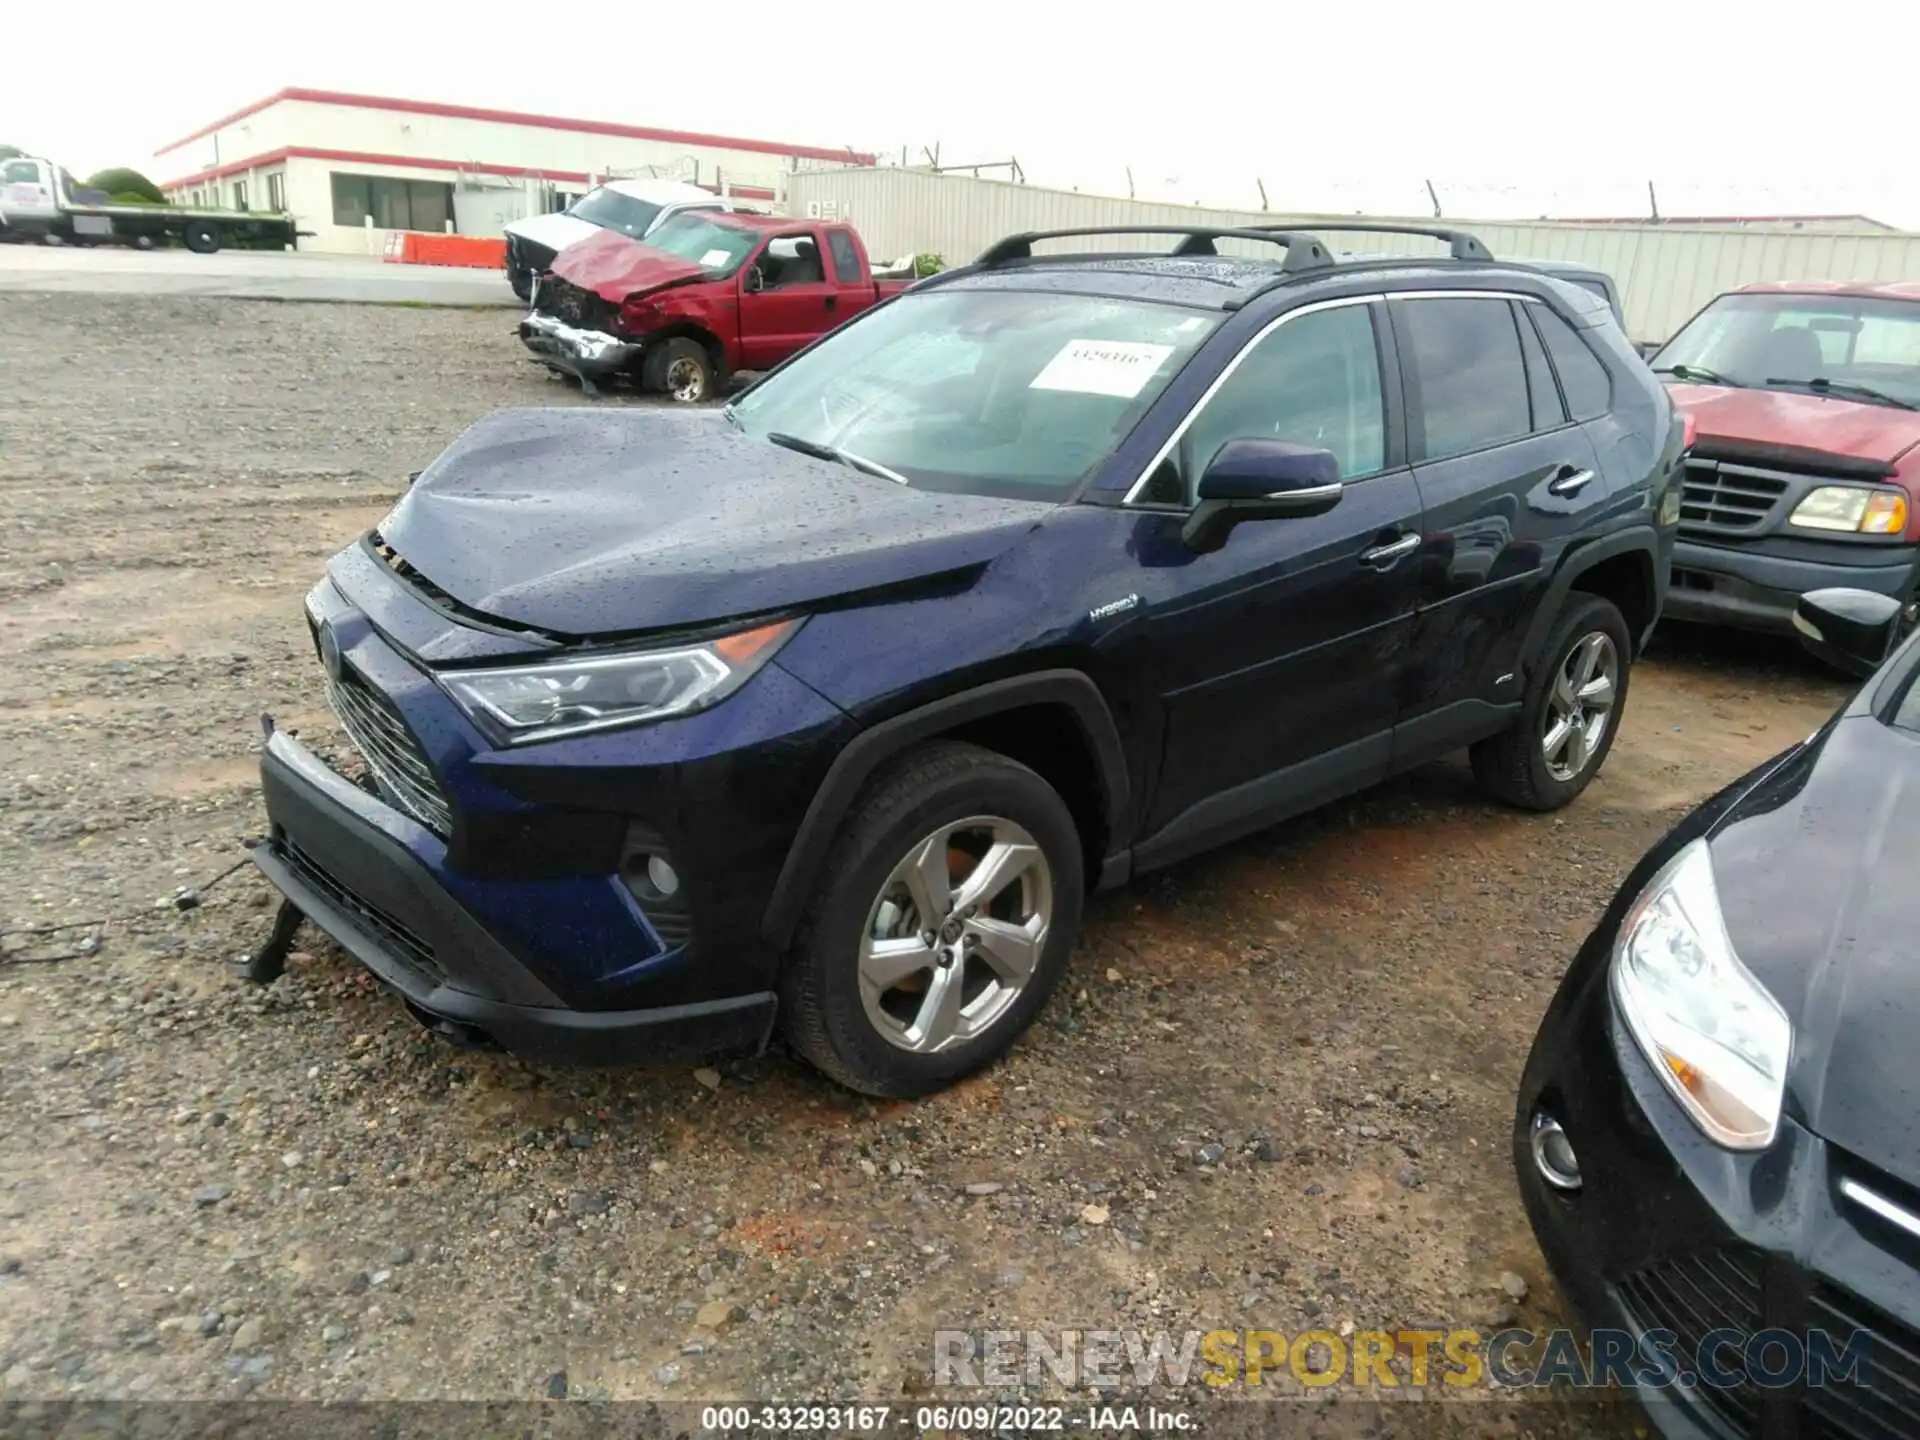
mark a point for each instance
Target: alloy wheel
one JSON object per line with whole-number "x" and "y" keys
{"x": 955, "y": 934}
{"x": 1580, "y": 705}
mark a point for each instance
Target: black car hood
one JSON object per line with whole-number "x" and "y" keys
{"x": 1819, "y": 876}
{"x": 596, "y": 522}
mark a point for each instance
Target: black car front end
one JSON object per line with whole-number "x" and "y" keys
{"x": 1779, "y": 1271}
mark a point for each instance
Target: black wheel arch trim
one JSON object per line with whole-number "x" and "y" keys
{"x": 1641, "y": 539}
{"x": 872, "y": 747}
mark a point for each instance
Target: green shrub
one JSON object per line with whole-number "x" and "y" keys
{"x": 128, "y": 197}
{"x": 122, "y": 181}
{"x": 927, "y": 264}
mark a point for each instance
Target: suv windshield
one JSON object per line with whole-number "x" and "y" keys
{"x": 611, "y": 210}
{"x": 717, "y": 248}
{"x": 992, "y": 392}
{"x": 1851, "y": 346}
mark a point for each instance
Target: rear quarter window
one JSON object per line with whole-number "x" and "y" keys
{"x": 1583, "y": 379}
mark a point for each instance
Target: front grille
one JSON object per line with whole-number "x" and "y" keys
{"x": 1884, "y": 1398}
{"x": 1719, "y": 497}
{"x": 1693, "y": 1295}
{"x": 397, "y": 938}
{"x": 577, "y": 307}
{"x": 395, "y": 757}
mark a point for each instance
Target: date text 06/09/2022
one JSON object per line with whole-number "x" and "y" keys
{"x": 963, "y": 1419}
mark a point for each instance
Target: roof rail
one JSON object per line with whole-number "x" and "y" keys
{"x": 1303, "y": 251}
{"x": 1460, "y": 244}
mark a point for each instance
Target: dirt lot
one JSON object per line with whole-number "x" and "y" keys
{"x": 1274, "y": 1092}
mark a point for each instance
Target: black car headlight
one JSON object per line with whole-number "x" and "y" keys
{"x": 524, "y": 703}
{"x": 1713, "y": 1034}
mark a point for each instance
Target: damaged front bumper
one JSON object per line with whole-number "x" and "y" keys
{"x": 588, "y": 354}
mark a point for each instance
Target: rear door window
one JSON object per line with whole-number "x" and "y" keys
{"x": 1464, "y": 364}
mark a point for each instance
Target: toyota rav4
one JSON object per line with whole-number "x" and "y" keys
{"x": 824, "y": 712}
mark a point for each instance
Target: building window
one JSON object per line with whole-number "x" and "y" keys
{"x": 277, "y": 192}
{"x": 393, "y": 204}
{"x": 239, "y": 194}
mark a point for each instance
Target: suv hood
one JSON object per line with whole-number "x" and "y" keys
{"x": 615, "y": 267}
{"x": 588, "y": 522}
{"x": 1790, "y": 420}
{"x": 1815, "y": 872}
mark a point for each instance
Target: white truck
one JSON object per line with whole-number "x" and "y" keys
{"x": 633, "y": 207}
{"x": 40, "y": 201}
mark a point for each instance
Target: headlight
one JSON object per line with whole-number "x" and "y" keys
{"x": 1714, "y": 1035}
{"x": 570, "y": 697}
{"x": 1852, "y": 510}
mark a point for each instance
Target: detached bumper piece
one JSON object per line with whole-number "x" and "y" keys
{"x": 341, "y": 857}
{"x": 588, "y": 355}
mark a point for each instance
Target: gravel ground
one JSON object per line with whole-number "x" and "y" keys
{"x": 1274, "y": 1091}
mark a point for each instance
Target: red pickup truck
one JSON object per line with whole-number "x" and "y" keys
{"x": 1805, "y": 470}
{"x": 704, "y": 296}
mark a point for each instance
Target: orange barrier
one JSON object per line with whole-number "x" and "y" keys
{"x": 469, "y": 251}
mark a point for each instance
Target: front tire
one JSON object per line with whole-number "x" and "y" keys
{"x": 681, "y": 370}
{"x": 1569, "y": 716}
{"x": 201, "y": 237}
{"x": 948, "y": 907}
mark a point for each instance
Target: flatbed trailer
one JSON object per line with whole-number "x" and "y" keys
{"x": 40, "y": 201}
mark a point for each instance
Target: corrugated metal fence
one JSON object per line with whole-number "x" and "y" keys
{"x": 1665, "y": 272}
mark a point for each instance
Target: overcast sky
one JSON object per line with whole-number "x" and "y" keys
{"x": 1511, "y": 110}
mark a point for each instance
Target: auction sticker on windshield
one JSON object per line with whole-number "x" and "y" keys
{"x": 714, "y": 259}
{"x": 1120, "y": 368}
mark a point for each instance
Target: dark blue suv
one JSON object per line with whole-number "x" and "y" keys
{"x": 826, "y": 710}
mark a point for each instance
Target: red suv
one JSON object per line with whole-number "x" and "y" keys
{"x": 1805, "y": 400}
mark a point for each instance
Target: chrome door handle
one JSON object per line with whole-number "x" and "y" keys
{"x": 1387, "y": 554}
{"x": 1570, "y": 483}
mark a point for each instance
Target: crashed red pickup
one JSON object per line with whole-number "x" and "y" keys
{"x": 706, "y": 295}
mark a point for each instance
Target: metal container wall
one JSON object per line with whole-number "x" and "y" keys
{"x": 1665, "y": 272}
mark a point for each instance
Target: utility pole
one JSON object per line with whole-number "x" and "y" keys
{"x": 1653, "y": 202}
{"x": 1263, "y": 192}
{"x": 1434, "y": 196}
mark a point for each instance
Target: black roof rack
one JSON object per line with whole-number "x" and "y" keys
{"x": 1303, "y": 251}
{"x": 1460, "y": 244}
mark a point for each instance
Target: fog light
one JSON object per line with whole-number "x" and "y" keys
{"x": 651, "y": 877}
{"x": 1553, "y": 1153}
{"x": 664, "y": 877}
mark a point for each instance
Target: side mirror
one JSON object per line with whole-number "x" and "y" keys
{"x": 753, "y": 282}
{"x": 1260, "y": 480}
{"x": 1851, "y": 630}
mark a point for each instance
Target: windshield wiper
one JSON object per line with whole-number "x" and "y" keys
{"x": 1820, "y": 385}
{"x": 1699, "y": 374}
{"x": 842, "y": 457}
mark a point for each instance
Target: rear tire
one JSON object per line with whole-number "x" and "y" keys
{"x": 681, "y": 370}
{"x": 1570, "y": 714}
{"x": 1003, "y": 898}
{"x": 201, "y": 237}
